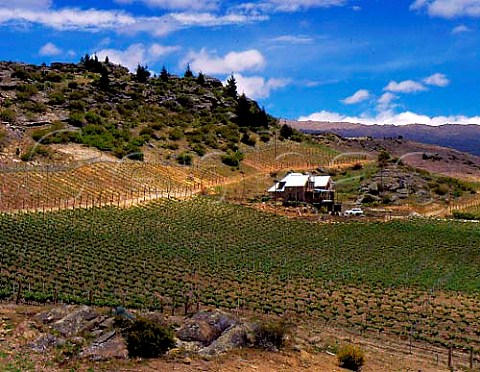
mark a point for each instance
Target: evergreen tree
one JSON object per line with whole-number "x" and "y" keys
{"x": 201, "y": 79}
{"x": 244, "y": 115}
{"x": 188, "y": 72}
{"x": 231, "y": 87}
{"x": 164, "y": 74}
{"x": 107, "y": 60}
{"x": 142, "y": 73}
{"x": 104, "y": 82}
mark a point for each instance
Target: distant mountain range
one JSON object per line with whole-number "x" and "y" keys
{"x": 458, "y": 136}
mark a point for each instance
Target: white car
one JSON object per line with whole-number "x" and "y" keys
{"x": 353, "y": 212}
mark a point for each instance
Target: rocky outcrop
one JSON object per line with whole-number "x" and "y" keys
{"x": 205, "y": 326}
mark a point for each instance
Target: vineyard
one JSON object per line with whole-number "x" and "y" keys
{"x": 416, "y": 279}
{"x": 122, "y": 183}
{"x": 279, "y": 156}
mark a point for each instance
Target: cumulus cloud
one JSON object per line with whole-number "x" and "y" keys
{"x": 248, "y": 60}
{"x": 177, "y": 4}
{"x": 448, "y": 8}
{"x": 406, "y": 86}
{"x": 293, "y": 39}
{"x": 390, "y": 117}
{"x": 136, "y": 54}
{"x": 257, "y": 87}
{"x": 460, "y": 29}
{"x": 359, "y": 96}
{"x": 438, "y": 80}
{"x": 49, "y": 49}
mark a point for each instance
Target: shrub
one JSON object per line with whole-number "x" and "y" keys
{"x": 147, "y": 339}
{"x": 465, "y": 215}
{"x": 248, "y": 140}
{"x": 233, "y": 159}
{"x": 270, "y": 335}
{"x": 185, "y": 159}
{"x": 351, "y": 357}
{"x": 175, "y": 134}
{"x": 76, "y": 119}
{"x": 8, "y": 115}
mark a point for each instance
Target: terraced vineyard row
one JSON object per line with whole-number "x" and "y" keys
{"x": 293, "y": 155}
{"x": 41, "y": 188}
{"x": 417, "y": 279}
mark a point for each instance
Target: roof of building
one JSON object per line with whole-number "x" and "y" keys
{"x": 299, "y": 180}
{"x": 320, "y": 181}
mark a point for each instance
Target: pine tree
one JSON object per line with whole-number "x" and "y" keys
{"x": 231, "y": 87}
{"x": 188, "y": 72}
{"x": 107, "y": 60}
{"x": 164, "y": 74}
{"x": 201, "y": 79}
{"x": 244, "y": 114}
{"x": 104, "y": 82}
{"x": 142, "y": 73}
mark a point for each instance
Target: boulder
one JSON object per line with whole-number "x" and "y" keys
{"x": 373, "y": 188}
{"x": 76, "y": 321}
{"x": 205, "y": 326}
{"x": 218, "y": 319}
{"x": 233, "y": 338}
{"x": 45, "y": 342}
{"x": 198, "y": 331}
{"x": 113, "y": 348}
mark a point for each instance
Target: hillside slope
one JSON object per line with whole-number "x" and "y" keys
{"x": 104, "y": 106}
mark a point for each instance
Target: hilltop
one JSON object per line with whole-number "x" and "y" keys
{"x": 124, "y": 114}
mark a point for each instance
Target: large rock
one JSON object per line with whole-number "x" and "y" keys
{"x": 205, "y": 326}
{"x": 198, "y": 331}
{"x": 45, "y": 342}
{"x": 233, "y": 338}
{"x": 111, "y": 348}
{"x": 81, "y": 319}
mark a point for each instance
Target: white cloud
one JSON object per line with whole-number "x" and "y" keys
{"x": 257, "y": 87}
{"x": 25, "y": 4}
{"x": 359, "y": 96}
{"x": 96, "y": 20}
{"x": 68, "y": 18}
{"x": 49, "y": 49}
{"x": 461, "y": 29}
{"x": 135, "y": 54}
{"x": 390, "y": 117}
{"x": 387, "y": 98}
{"x": 157, "y": 50}
{"x": 356, "y": 8}
{"x": 448, "y": 8}
{"x": 293, "y": 39}
{"x": 295, "y": 5}
{"x": 406, "y": 86}
{"x": 249, "y": 60}
{"x": 438, "y": 80}
{"x": 177, "y": 4}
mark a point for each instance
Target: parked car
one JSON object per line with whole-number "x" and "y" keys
{"x": 354, "y": 212}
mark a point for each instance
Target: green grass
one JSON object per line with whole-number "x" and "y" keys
{"x": 172, "y": 254}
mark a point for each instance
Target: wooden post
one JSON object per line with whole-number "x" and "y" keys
{"x": 471, "y": 357}
{"x": 450, "y": 357}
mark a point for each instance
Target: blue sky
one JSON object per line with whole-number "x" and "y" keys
{"x": 370, "y": 61}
